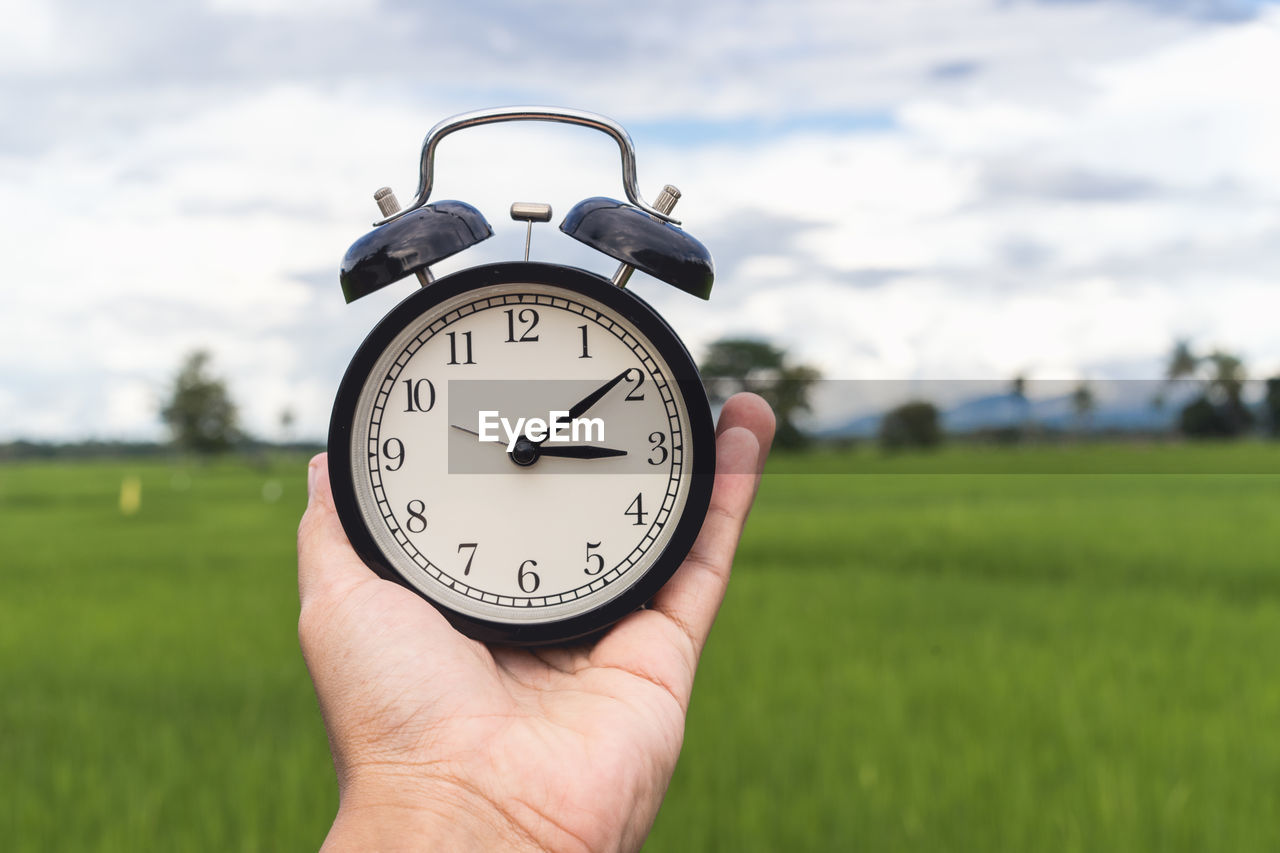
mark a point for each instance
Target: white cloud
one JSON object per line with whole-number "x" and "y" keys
{"x": 28, "y": 38}
{"x": 294, "y": 8}
{"x": 1062, "y": 187}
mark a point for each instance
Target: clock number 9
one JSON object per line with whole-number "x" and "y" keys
{"x": 417, "y": 518}
{"x": 393, "y": 449}
{"x": 528, "y": 581}
{"x": 659, "y": 446}
{"x": 598, "y": 558}
{"x": 413, "y": 395}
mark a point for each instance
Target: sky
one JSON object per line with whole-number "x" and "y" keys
{"x": 950, "y": 189}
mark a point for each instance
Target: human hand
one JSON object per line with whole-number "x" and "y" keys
{"x": 441, "y": 741}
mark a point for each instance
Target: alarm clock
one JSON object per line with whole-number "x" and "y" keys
{"x": 528, "y": 446}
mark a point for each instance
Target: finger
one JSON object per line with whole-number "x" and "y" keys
{"x": 750, "y": 411}
{"x": 327, "y": 565}
{"x": 692, "y": 597}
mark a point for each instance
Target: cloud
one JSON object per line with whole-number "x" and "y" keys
{"x": 968, "y": 191}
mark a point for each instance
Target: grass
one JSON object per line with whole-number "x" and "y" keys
{"x": 153, "y": 694}
{"x": 907, "y": 660}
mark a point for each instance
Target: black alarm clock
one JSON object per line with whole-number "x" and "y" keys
{"x": 528, "y": 446}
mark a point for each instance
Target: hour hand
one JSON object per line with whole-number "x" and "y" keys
{"x": 579, "y": 451}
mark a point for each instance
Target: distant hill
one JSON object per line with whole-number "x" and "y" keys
{"x": 1118, "y": 407}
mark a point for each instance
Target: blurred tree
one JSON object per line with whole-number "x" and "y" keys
{"x": 1018, "y": 391}
{"x": 1082, "y": 403}
{"x": 1273, "y": 405}
{"x": 1202, "y": 419}
{"x": 1183, "y": 362}
{"x": 746, "y": 364}
{"x": 1018, "y": 387}
{"x": 1219, "y": 411}
{"x": 287, "y": 419}
{"x": 914, "y": 424}
{"x": 1226, "y": 382}
{"x": 199, "y": 410}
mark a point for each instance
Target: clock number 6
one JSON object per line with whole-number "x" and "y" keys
{"x": 523, "y": 577}
{"x": 417, "y": 521}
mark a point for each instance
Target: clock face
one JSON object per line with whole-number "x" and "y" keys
{"x": 527, "y": 446}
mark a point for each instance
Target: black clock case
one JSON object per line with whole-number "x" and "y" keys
{"x": 684, "y": 374}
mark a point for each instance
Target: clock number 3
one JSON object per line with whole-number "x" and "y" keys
{"x": 658, "y": 440}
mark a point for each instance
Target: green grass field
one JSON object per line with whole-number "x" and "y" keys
{"x": 906, "y": 660}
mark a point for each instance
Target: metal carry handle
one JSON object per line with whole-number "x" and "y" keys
{"x": 555, "y": 114}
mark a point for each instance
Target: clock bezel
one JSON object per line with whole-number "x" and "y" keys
{"x": 684, "y": 376}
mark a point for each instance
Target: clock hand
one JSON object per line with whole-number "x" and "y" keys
{"x": 580, "y": 407}
{"x": 477, "y": 435}
{"x": 579, "y": 451}
{"x": 572, "y": 451}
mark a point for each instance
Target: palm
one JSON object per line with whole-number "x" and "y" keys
{"x": 567, "y": 747}
{"x": 546, "y": 725}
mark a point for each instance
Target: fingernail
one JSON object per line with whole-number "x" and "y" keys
{"x": 313, "y": 471}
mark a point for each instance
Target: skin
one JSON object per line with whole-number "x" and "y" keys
{"x": 442, "y": 741}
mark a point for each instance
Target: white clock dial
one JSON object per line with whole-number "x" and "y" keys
{"x": 460, "y": 518}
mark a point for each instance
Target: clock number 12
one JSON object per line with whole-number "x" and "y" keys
{"x": 526, "y": 315}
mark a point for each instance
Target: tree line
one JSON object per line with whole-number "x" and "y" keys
{"x": 1214, "y": 380}
{"x": 202, "y": 417}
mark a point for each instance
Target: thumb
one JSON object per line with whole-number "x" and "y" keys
{"x": 327, "y": 565}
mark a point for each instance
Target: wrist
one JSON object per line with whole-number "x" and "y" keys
{"x": 413, "y": 815}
